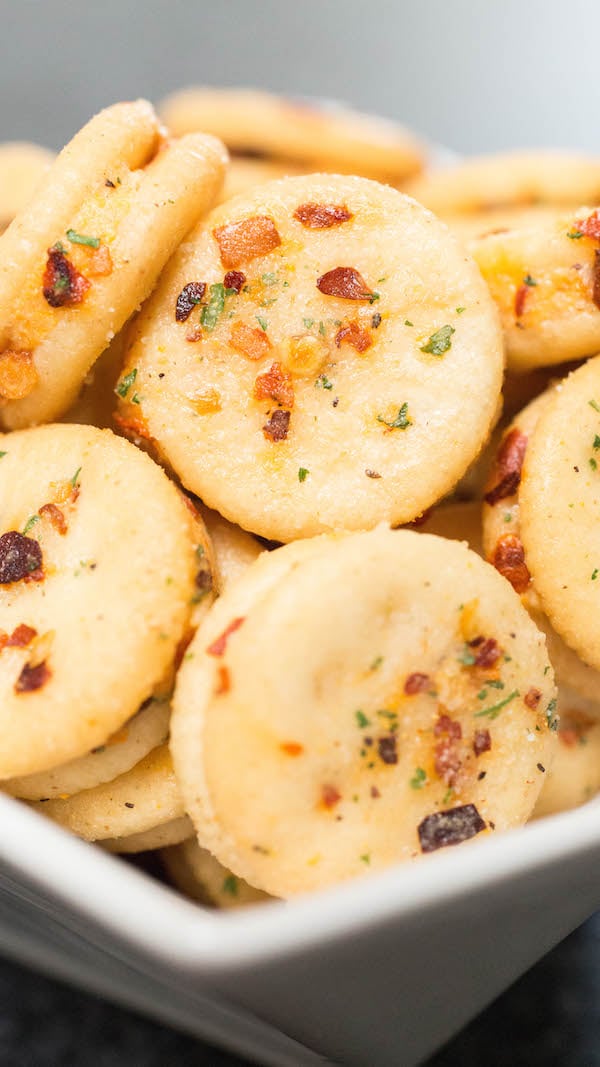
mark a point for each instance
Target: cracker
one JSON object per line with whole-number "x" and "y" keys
{"x": 164, "y": 836}
{"x": 199, "y": 875}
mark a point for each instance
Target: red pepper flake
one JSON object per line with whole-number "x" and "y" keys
{"x": 322, "y": 216}
{"x": 509, "y": 560}
{"x": 234, "y": 279}
{"x": 189, "y": 297}
{"x": 292, "y": 748}
{"x": 448, "y": 726}
{"x": 63, "y": 285}
{"x": 450, "y": 827}
{"x": 276, "y": 429}
{"x": 32, "y": 678}
{"x": 375, "y": 792}
{"x": 224, "y": 681}
{"x": 275, "y": 384}
{"x": 194, "y": 333}
{"x": 18, "y": 374}
{"x": 508, "y": 467}
{"x": 22, "y": 636}
{"x": 100, "y": 263}
{"x": 241, "y": 241}
{"x": 353, "y": 334}
{"x": 416, "y": 683}
{"x": 20, "y": 557}
{"x": 596, "y": 279}
{"x": 344, "y": 282}
{"x": 521, "y": 299}
{"x": 252, "y": 343}
{"x": 330, "y": 796}
{"x": 55, "y": 517}
{"x": 386, "y": 747}
{"x": 218, "y": 646}
{"x": 532, "y": 698}
{"x": 488, "y": 653}
{"x": 589, "y": 227}
{"x": 482, "y": 742}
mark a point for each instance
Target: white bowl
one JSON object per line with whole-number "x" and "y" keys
{"x": 380, "y": 971}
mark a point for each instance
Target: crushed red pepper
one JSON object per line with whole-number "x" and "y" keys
{"x": 276, "y": 429}
{"x": 242, "y": 241}
{"x": 344, "y": 282}
{"x": 234, "y": 279}
{"x": 386, "y": 747}
{"x": 218, "y": 646}
{"x": 444, "y": 828}
{"x": 33, "y": 678}
{"x": 532, "y": 698}
{"x": 63, "y": 285}
{"x": 55, "y": 517}
{"x": 446, "y": 725}
{"x": 354, "y": 334}
{"x": 509, "y": 559}
{"x": 18, "y": 374}
{"x": 21, "y": 636}
{"x": 275, "y": 384}
{"x": 521, "y": 299}
{"x": 330, "y": 796}
{"x": 482, "y": 742}
{"x": 416, "y": 683}
{"x": 508, "y": 467}
{"x": 189, "y": 297}
{"x": 589, "y": 227}
{"x": 224, "y": 681}
{"x": 447, "y": 758}
{"x": 292, "y": 748}
{"x": 251, "y": 342}
{"x": 487, "y": 651}
{"x": 20, "y": 557}
{"x": 322, "y": 216}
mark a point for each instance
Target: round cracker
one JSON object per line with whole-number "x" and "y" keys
{"x": 163, "y": 836}
{"x": 143, "y": 798}
{"x": 546, "y": 283}
{"x": 502, "y": 220}
{"x": 22, "y": 166}
{"x": 510, "y": 179}
{"x": 559, "y": 502}
{"x": 88, "y": 250}
{"x": 315, "y": 133}
{"x": 502, "y": 536}
{"x": 105, "y": 613}
{"x": 234, "y": 549}
{"x": 145, "y": 731}
{"x": 319, "y": 432}
{"x": 575, "y": 774}
{"x": 199, "y": 875}
{"x": 319, "y": 693}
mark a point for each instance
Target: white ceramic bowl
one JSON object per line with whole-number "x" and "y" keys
{"x": 380, "y": 971}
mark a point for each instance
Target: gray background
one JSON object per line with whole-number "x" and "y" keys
{"x": 474, "y": 74}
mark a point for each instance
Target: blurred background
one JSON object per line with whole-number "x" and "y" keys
{"x": 474, "y": 77}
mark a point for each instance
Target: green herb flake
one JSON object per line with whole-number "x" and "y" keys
{"x": 361, "y": 719}
{"x": 322, "y": 329}
{"x": 82, "y": 239}
{"x": 73, "y": 480}
{"x": 596, "y": 442}
{"x": 3, "y": 454}
{"x": 302, "y": 474}
{"x": 440, "y": 341}
{"x": 594, "y": 574}
{"x": 231, "y": 885}
{"x": 124, "y": 384}
{"x": 308, "y": 323}
{"x": 374, "y": 296}
{"x": 419, "y": 778}
{"x": 270, "y": 278}
{"x": 323, "y": 382}
{"x": 212, "y": 311}
{"x": 366, "y": 858}
{"x": 594, "y": 405}
{"x": 466, "y": 657}
{"x": 551, "y": 717}
{"x": 376, "y": 663}
{"x": 494, "y": 710}
{"x": 58, "y": 246}
{"x": 574, "y": 234}
{"x": 401, "y": 422}
{"x": 31, "y": 521}
{"x": 482, "y": 694}
{"x": 592, "y": 463}
{"x": 528, "y": 280}
{"x": 459, "y": 311}
{"x": 495, "y": 683}
{"x": 264, "y": 325}
{"x": 507, "y": 516}
{"x": 447, "y": 797}
{"x": 135, "y": 399}
{"x": 407, "y": 322}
